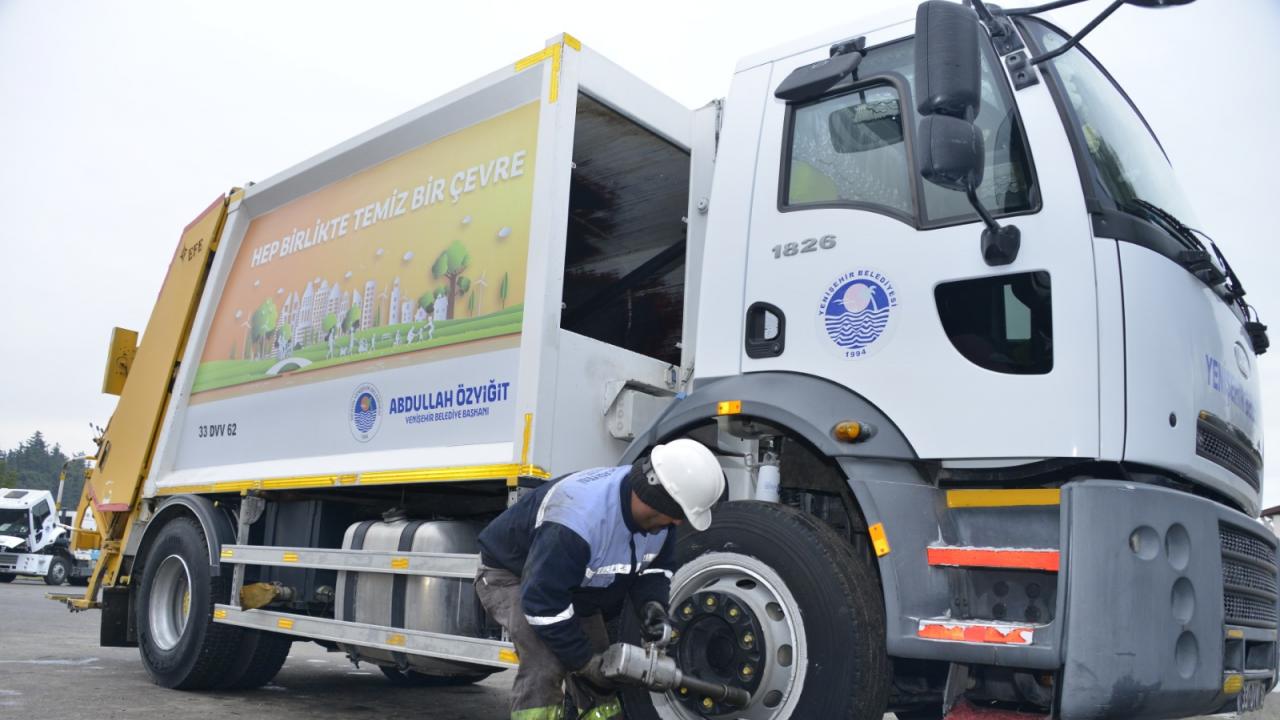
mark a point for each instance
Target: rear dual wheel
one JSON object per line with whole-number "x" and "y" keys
{"x": 181, "y": 646}
{"x": 771, "y": 600}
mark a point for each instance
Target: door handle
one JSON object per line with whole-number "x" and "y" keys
{"x": 766, "y": 334}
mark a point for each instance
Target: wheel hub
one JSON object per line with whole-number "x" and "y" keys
{"x": 717, "y": 639}
{"x": 170, "y": 602}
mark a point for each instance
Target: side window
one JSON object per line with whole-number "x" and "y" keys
{"x": 849, "y": 150}
{"x": 1003, "y": 323}
{"x": 39, "y": 513}
{"x": 625, "y": 250}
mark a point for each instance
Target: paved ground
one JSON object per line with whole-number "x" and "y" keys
{"x": 51, "y": 668}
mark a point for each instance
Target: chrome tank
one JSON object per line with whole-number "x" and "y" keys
{"x": 435, "y": 604}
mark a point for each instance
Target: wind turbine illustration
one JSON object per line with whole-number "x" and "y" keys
{"x": 479, "y": 283}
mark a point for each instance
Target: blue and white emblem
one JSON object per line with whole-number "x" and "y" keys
{"x": 857, "y": 311}
{"x": 364, "y": 412}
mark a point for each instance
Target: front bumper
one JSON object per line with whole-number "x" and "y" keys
{"x": 1169, "y": 598}
{"x": 24, "y": 563}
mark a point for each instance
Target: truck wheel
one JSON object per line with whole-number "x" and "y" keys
{"x": 59, "y": 570}
{"x": 413, "y": 678}
{"x": 771, "y": 600}
{"x": 181, "y": 646}
{"x": 262, "y": 654}
{"x": 7, "y": 577}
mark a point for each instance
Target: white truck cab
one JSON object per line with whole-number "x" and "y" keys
{"x": 32, "y": 542}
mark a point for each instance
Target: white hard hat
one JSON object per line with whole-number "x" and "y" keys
{"x": 691, "y": 475}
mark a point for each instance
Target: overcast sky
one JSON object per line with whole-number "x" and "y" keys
{"x": 120, "y": 121}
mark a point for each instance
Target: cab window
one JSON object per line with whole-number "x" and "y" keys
{"x": 852, "y": 147}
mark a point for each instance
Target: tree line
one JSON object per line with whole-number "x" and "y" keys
{"x": 35, "y": 465}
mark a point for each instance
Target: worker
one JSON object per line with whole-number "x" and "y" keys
{"x": 566, "y": 557}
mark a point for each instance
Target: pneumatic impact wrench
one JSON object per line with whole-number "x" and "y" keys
{"x": 649, "y": 667}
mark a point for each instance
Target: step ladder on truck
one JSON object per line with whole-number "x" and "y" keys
{"x": 987, "y": 404}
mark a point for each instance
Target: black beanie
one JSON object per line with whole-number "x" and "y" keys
{"x": 644, "y": 483}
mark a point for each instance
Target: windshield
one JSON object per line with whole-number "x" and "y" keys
{"x": 13, "y": 522}
{"x": 850, "y": 149}
{"x": 1126, "y": 162}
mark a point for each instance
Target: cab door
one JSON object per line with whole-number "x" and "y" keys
{"x": 877, "y": 278}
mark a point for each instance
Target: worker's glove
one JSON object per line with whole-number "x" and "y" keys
{"x": 592, "y": 674}
{"x": 654, "y": 623}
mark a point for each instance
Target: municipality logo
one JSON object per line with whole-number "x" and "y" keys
{"x": 364, "y": 412}
{"x": 857, "y": 311}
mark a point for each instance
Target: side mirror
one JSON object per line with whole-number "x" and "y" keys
{"x": 948, "y": 68}
{"x": 949, "y": 91}
{"x": 951, "y": 152}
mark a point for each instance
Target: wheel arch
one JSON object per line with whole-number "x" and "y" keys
{"x": 776, "y": 397}
{"x": 215, "y": 524}
{"x": 882, "y": 473}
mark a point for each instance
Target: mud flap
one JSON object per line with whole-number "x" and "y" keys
{"x": 117, "y": 629}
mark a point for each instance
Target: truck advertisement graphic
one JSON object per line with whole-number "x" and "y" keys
{"x": 420, "y": 252}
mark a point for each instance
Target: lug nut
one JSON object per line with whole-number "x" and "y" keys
{"x": 747, "y": 670}
{"x": 733, "y": 612}
{"x": 687, "y": 610}
{"x": 708, "y": 703}
{"x": 710, "y": 601}
{"x": 684, "y": 691}
{"x": 748, "y": 638}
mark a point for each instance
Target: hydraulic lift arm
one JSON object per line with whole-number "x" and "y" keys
{"x": 143, "y": 378}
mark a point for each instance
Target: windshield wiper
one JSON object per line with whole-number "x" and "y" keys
{"x": 1195, "y": 256}
{"x": 1196, "y": 259}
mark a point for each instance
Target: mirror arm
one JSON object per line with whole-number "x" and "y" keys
{"x": 1075, "y": 39}
{"x": 1000, "y": 243}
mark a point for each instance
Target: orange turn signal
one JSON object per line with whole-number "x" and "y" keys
{"x": 852, "y": 431}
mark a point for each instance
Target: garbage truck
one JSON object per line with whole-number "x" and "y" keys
{"x": 984, "y": 391}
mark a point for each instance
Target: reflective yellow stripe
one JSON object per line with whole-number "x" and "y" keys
{"x": 1002, "y": 498}
{"x": 391, "y": 477}
{"x": 400, "y": 563}
{"x": 396, "y": 639}
{"x": 290, "y": 557}
{"x": 508, "y": 656}
{"x": 603, "y": 711}
{"x": 284, "y": 624}
{"x": 219, "y": 614}
{"x": 555, "y": 53}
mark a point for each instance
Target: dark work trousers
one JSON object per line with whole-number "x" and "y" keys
{"x": 538, "y": 692}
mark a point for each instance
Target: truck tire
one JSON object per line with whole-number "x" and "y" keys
{"x": 413, "y": 678}
{"x": 262, "y": 654}
{"x": 7, "y": 577}
{"x": 181, "y": 646}
{"x": 59, "y": 571}
{"x": 772, "y": 600}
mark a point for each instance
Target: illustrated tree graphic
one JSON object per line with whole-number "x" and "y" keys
{"x": 450, "y": 265}
{"x": 329, "y": 323}
{"x": 264, "y": 324}
{"x": 502, "y": 289}
{"x": 352, "y": 320}
{"x": 471, "y": 305}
